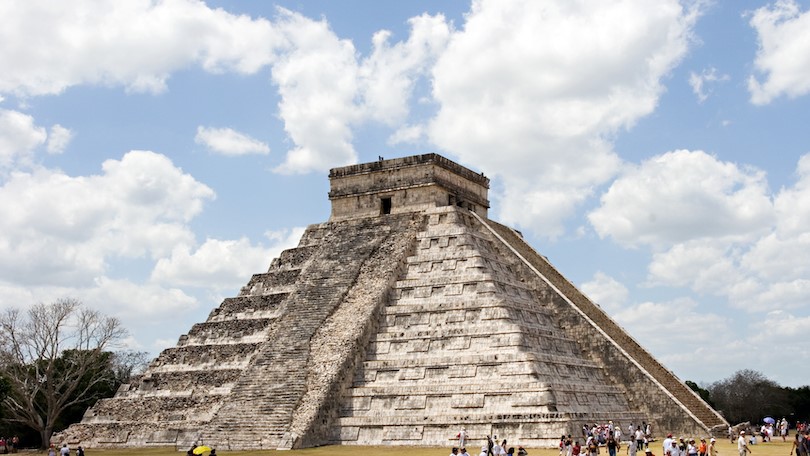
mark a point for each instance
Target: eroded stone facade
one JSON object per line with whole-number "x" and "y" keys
{"x": 406, "y": 317}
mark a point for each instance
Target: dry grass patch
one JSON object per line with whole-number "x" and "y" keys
{"x": 725, "y": 448}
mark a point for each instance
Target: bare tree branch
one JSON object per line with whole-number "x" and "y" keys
{"x": 53, "y": 356}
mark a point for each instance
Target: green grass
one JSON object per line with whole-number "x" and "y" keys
{"x": 775, "y": 448}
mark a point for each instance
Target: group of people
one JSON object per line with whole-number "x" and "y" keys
{"x": 689, "y": 447}
{"x": 766, "y": 431}
{"x": 65, "y": 450}
{"x": 9, "y": 445}
{"x": 801, "y": 444}
{"x": 490, "y": 448}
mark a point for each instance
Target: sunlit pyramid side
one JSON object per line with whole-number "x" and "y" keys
{"x": 407, "y": 316}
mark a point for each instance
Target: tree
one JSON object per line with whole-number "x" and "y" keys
{"x": 703, "y": 393}
{"x": 53, "y": 357}
{"x": 749, "y": 396}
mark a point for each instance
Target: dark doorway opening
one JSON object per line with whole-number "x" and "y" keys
{"x": 385, "y": 206}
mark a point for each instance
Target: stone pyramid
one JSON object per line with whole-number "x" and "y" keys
{"x": 406, "y": 317}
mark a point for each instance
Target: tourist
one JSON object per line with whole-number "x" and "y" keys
{"x": 569, "y": 444}
{"x": 593, "y": 446}
{"x": 631, "y": 448}
{"x": 612, "y": 444}
{"x": 65, "y": 451}
{"x": 639, "y": 438}
{"x": 675, "y": 448}
{"x": 691, "y": 448}
{"x": 576, "y": 449}
{"x": 702, "y": 448}
{"x": 484, "y": 450}
{"x": 712, "y": 447}
{"x": 806, "y": 441}
{"x": 462, "y": 438}
{"x": 490, "y": 445}
{"x": 496, "y": 449}
{"x": 742, "y": 448}
{"x": 797, "y": 446}
{"x": 522, "y": 451}
{"x": 464, "y": 452}
{"x": 52, "y": 450}
{"x": 80, "y": 451}
{"x": 454, "y": 451}
{"x": 503, "y": 448}
{"x": 667, "y": 444}
{"x": 562, "y": 445}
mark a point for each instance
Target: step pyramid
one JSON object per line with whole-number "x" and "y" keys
{"x": 406, "y": 317}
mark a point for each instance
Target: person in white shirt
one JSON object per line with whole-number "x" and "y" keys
{"x": 639, "y": 437}
{"x": 496, "y": 449}
{"x": 667, "y": 444}
{"x": 631, "y": 448}
{"x": 742, "y": 447}
{"x": 712, "y": 447}
{"x": 463, "y": 452}
{"x": 64, "y": 451}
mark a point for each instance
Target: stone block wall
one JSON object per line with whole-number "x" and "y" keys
{"x": 667, "y": 402}
{"x": 464, "y": 342}
{"x": 412, "y": 184}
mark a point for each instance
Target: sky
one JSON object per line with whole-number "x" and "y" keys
{"x": 156, "y": 154}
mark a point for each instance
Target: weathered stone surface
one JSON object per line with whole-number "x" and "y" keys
{"x": 405, "y": 317}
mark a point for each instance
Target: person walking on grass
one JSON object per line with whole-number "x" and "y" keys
{"x": 742, "y": 446}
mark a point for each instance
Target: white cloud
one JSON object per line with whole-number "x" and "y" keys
{"x": 58, "y": 139}
{"x": 703, "y": 265}
{"x": 318, "y": 82}
{"x": 325, "y": 91}
{"x": 408, "y": 134}
{"x": 19, "y": 137}
{"x": 142, "y": 301}
{"x": 606, "y": 291}
{"x": 539, "y": 118}
{"x": 699, "y": 82}
{"x": 134, "y": 44}
{"x": 784, "y": 52}
{"x": 221, "y": 264}
{"x": 684, "y": 195}
{"x": 756, "y": 274}
{"x": 60, "y": 229}
{"x": 389, "y": 73}
{"x": 676, "y": 326}
{"x": 227, "y": 141}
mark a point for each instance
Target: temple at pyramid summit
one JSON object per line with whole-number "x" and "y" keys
{"x": 404, "y": 318}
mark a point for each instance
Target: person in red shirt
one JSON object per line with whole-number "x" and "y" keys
{"x": 576, "y": 449}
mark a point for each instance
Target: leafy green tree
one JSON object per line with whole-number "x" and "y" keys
{"x": 54, "y": 358}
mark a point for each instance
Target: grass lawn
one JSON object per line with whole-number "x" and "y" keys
{"x": 775, "y": 448}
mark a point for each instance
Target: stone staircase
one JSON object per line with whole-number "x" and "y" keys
{"x": 463, "y": 342}
{"x": 185, "y": 385}
{"x": 681, "y": 394}
{"x": 262, "y": 402}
